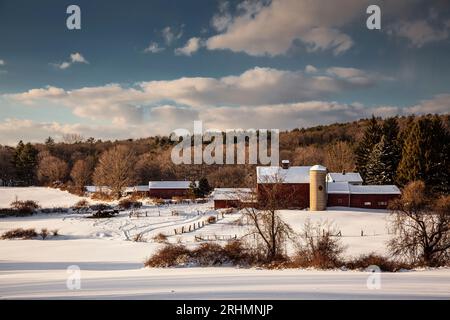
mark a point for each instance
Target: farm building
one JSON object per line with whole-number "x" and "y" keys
{"x": 232, "y": 197}
{"x": 315, "y": 188}
{"x": 168, "y": 189}
{"x": 136, "y": 190}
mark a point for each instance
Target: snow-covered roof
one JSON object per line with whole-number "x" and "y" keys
{"x": 318, "y": 167}
{"x": 275, "y": 174}
{"x": 169, "y": 184}
{"x": 93, "y": 189}
{"x": 338, "y": 187}
{"x": 352, "y": 177}
{"x": 373, "y": 189}
{"x": 347, "y": 188}
{"x": 137, "y": 189}
{"x": 243, "y": 194}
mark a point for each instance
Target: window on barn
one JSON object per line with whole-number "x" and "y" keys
{"x": 367, "y": 203}
{"x": 382, "y": 203}
{"x": 340, "y": 201}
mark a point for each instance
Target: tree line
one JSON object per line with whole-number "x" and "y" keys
{"x": 385, "y": 151}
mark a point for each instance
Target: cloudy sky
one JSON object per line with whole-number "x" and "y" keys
{"x": 138, "y": 68}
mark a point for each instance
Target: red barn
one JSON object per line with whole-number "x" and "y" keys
{"x": 168, "y": 189}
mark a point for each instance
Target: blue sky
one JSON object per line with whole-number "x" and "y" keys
{"x": 249, "y": 63}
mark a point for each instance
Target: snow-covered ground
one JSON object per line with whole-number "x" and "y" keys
{"x": 112, "y": 264}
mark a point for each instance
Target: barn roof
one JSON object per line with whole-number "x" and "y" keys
{"x": 232, "y": 194}
{"x": 137, "y": 189}
{"x": 338, "y": 187}
{"x": 347, "y": 188}
{"x": 352, "y": 177}
{"x": 373, "y": 189}
{"x": 275, "y": 174}
{"x": 169, "y": 184}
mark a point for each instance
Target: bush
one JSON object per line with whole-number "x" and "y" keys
{"x": 55, "y": 232}
{"x": 372, "y": 259}
{"x": 209, "y": 254}
{"x": 129, "y": 204}
{"x": 20, "y": 233}
{"x": 82, "y": 205}
{"x": 169, "y": 256}
{"x": 319, "y": 248}
{"x": 211, "y": 219}
{"x": 44, "y": 233}
{"x": 158, "y": 201}
{"x": 24, "y": 207}
{"x": 160, "y": 237}
{"x": 206, "y": 254}
{"x": 139, "y": 237}
{"x": 103, "y": 214}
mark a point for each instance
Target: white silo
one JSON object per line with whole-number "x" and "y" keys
{"x": 317, "y": 188}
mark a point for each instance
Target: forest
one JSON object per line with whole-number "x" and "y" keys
{"x": 395, "y": 150}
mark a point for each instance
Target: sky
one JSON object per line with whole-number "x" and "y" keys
{"x": 140, "y": 68}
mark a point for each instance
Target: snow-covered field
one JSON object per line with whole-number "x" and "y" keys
{"x": 112, "y": 264}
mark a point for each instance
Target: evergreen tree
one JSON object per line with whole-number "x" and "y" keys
{"x": 203, "y": 187}
{"x": 425, "y": 155}
{"x": 372, "y": 135}
{"x": 380, "y": 167}
{"x": 25, "y": 161}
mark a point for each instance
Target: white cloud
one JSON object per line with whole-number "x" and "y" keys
{"x": 165, "y": 118}
{"x": 191, "y": 46}
{"x": 221, "y": 20}
{"x": 311, "y": 69}
{"x": 270, "y": 29}
{"x": 2, "y": 62}
{"x": 153, "y": 47}
{"x": 254, "y": 87}
{"x": 420, "y": 32}
{"x": 74, "y": 58}
{"x": 170, "y": 36}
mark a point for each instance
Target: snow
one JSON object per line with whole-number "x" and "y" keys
{"x": 46, "y": 197}
{"x": 112, "y": 264}
{"x": 272, "y": 174}
{"x": 352, "y": 177}
{"x": 232, "y": 193}
{"x": 169, "y": 184}
{"x": 338, "y": 187}
{"x": 374, "y": 189}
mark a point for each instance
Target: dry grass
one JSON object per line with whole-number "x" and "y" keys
{"x": 160, "y": 237}
{"x": 20, "y": 233}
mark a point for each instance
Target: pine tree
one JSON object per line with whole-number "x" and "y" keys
{"x": 425, "y": 155}
{"x": 380, "y": 167}
{"x": 25, "y": 161}
{"x": 203, "y": 187}
{"x": 372, "y": 135}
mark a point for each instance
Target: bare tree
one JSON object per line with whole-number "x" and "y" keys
{"x": 71, "y": 138}
{"x": 51, "y": 169}
{"x": 266, "y": 223}
{"x": 421, "y": 226}
{"x": 82, "y": 171}
{"x": 115, "y": 169}
{"x": 339, "y": 156}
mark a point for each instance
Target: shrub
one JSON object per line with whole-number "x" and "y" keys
{"x": 55, "y": 232}
{"x": 168, "y": 256}
{"x": 372, "y": 259}
{"x": 103, "y": 214}
{"x": 24, "y": 207}
{"x": 209, "y": 254}
{"x": 82, "y": 205}
{"x": 139, "y": 237}
{"x": 129, "y": 204}
{"x": 211, "y": 219}
{"x": 160, "y": 237}
{"x": 20, "y": 234}
{"x": 319, "y": 248}
{"x": 44, "y": 233}
{"x": 158, "y": 201}
{"x": 238, "y": 254}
